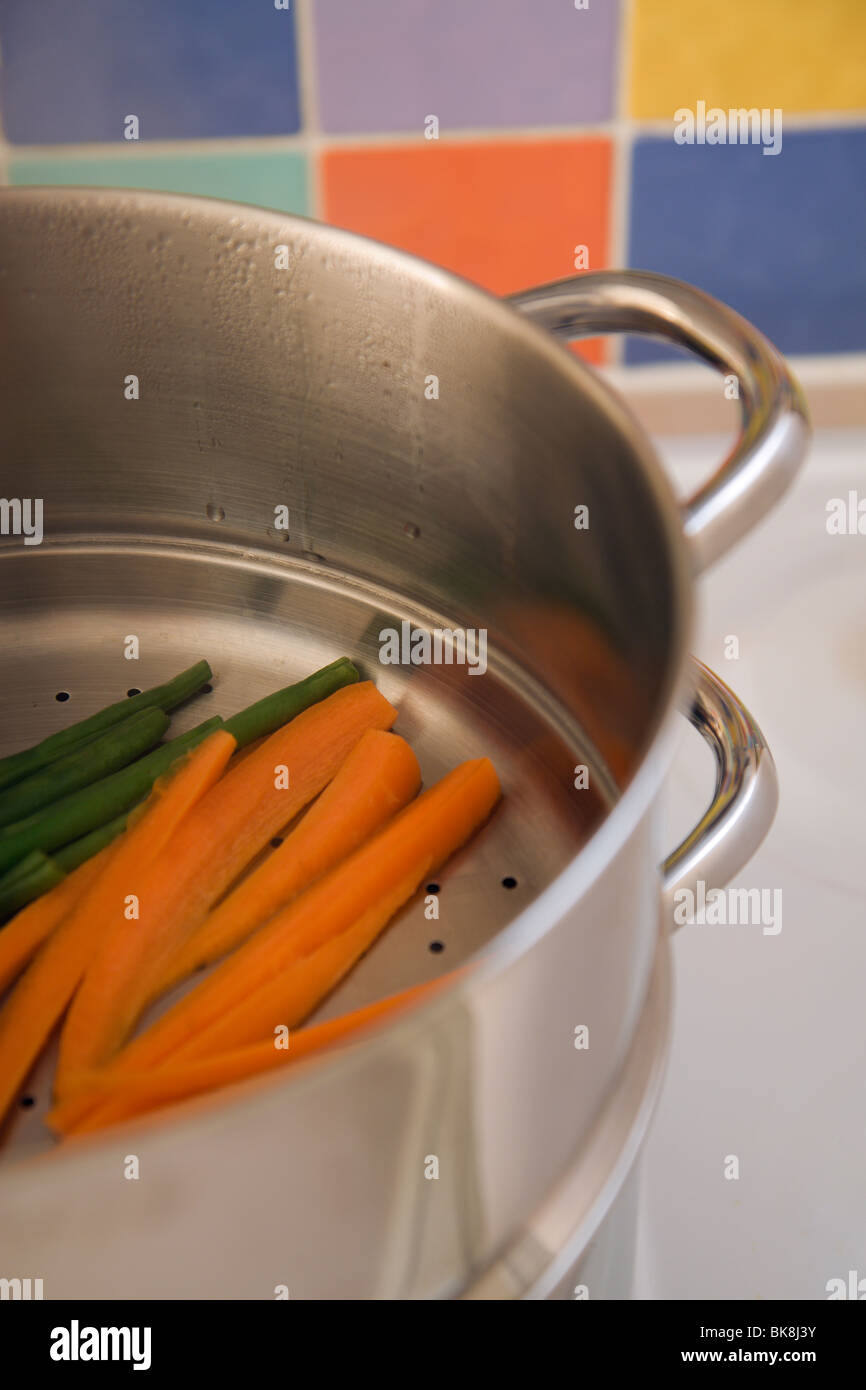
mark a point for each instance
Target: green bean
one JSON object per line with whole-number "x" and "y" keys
{"x": 89, "y": 762}
{"x": 35, "y": 875}
{"x": 82, "y": 823}
{"x": 275, "y": 710}
{"x": 68, "y": 857}
{"x": 93, "y": 806}
{"x": 164, "y": 697}
{"x": 21, "y": 869}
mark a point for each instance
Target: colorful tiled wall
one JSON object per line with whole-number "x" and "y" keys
{"x": 555, "y": 131}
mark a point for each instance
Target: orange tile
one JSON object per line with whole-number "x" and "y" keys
{"x": 506, "y": 214}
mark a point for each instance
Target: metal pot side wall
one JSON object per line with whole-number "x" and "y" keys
{"x": 320, "y": 1184}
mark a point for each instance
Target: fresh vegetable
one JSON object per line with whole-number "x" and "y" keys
{"x": 164, "y": 697}
{"x": 120, "y": 744}
{"x": 22, "y": 937}
{"x": 34, "y": 866}
{"x": 269, "y": 714}
{"x": 307, "y": 947}
{"x": 122, "y": 917}
{"x": 68, "y": 857}
{"x": 378, "y": 778}
{"x": 249, "y": 725}
{"x": 93, "y": 806}
{"x": 44, "y": 990}
{"x": 36, "y": 874}
{"x": 22, "y": 869}
{"x": 140, "y": 1092}
{"x": 213, "y": 845}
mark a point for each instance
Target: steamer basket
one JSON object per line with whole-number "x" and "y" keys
{"x": 432, "y": 445}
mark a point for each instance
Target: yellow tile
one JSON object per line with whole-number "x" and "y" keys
{"x": 800, "y": 55}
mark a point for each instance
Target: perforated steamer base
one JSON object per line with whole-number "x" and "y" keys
{"x": 66, "y": 609}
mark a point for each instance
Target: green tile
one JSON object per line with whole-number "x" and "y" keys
{"x": 268, "y": 178}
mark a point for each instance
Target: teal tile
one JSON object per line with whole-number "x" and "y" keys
{"x": 268, "y": 178}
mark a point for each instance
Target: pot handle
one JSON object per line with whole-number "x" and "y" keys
{"x": 775, "y": 423}
{"x": 745, "y": 799}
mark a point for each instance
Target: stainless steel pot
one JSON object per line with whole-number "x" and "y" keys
{"x": 434, "y": 447}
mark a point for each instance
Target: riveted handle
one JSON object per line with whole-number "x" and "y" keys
{"x": 745, "y": 797}
{"x": 775, "y": 424}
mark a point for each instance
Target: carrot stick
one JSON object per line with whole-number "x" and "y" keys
{"x": 44, "y": 990}
{"x": 299, "y": 986}
{"x": 215, "y": 842}
{"x": 378, "y": 778}
{"x": 362, "y": 892}
{"x": 139, "y": 1092}
{"x": 23, "y": 935}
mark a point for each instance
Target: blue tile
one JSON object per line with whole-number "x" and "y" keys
{"x": 780, "y": 238}
{"x": 187, "y": 68}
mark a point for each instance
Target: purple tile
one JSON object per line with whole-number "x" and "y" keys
{"x": 384, "y": 66}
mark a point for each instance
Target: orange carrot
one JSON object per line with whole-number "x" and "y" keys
{"x": 359, "y": 896}
{"x": 378, "y": 778}
{"x": 44, "y": 990}
{"x": 299, "y": 986}
{"x": 214, "y": 843}
{"x": 21, "y": 938}
{"x": 139, "y": 1092}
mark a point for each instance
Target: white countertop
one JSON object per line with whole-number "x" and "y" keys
{"x": 769, "y": 1041}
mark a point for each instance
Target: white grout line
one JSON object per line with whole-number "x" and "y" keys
{"x": 305, "y": 50}
{"x": 620, "y": 193}
{"x": 141, "y": 149}
{"x": 842, "y": 368}
{"x": 793, "y": 121}
{"x": 316, "y": 139}
{"x": 310, "y": 139}
{"x": 5, "y": 147}
{"x": 319, "y": 139}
